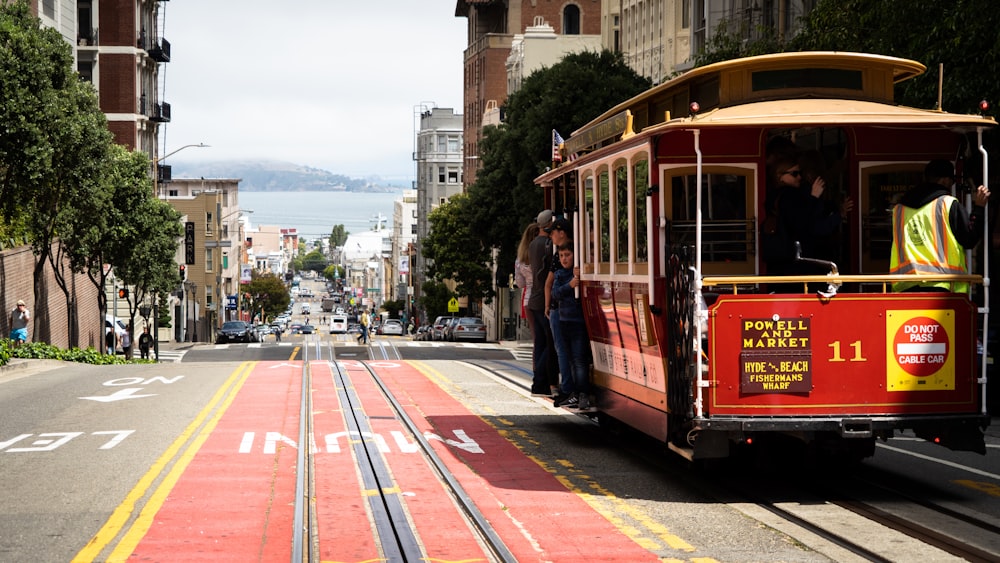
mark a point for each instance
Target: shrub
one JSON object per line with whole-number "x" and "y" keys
{"x": 43, "y": 351}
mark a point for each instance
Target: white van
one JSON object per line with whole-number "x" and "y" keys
{"x": 338, "y": 324}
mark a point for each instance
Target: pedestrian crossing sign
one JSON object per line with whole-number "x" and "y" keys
{"x": 453, "y": 305}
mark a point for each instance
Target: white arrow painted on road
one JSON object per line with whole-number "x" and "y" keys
{"x": 119, "y": 395}
{"x": 283, "y": 365}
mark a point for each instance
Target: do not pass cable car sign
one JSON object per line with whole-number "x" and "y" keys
{"x": 920, "y": 355}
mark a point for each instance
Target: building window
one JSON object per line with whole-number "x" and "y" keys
{"x": 441, "y": 143}
{"x": 440, "y": 174}
{"x": 571, "y": 20}
{"x": 453, "y": 176}
{"x": 172, "y": 193}
{"x": 208, "y": 296}
{"x": 453, "y": 144}
{"x": 208, "y": 260}
{"x": 49, "y": 8}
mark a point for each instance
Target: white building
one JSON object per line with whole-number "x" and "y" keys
{"x": 438, "y": 157}
{"x": 538, "y": 47}
{"x": 404, "y": 237}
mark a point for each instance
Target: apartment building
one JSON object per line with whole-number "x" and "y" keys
{"x": 211, "y": 253}
{"x": 439, "y": 172}
{"x": 404, "y": 238}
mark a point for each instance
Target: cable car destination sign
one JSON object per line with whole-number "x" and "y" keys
{"x": 776, "y": 356}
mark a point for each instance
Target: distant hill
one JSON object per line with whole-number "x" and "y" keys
{"x": 278, "y": 176}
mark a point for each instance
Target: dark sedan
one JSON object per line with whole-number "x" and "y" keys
{"x": 235, "y": 331}
{"x": 307, "y": 329}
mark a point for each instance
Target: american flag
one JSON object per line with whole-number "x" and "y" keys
{"x": 557, "y": 142}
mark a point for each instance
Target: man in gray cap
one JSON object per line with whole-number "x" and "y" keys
{"x": 540, "y": 255}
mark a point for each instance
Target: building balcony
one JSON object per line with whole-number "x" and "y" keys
{"x": 161, "y": 113}
{"x": 159, "y": 51}
{"x": 87, "y": 37}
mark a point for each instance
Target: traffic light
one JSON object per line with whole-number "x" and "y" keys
{"x": 183, "y": 272}
{"x": 123, "y": 293}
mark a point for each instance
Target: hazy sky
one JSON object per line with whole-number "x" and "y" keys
{"x": 331, "y": 84}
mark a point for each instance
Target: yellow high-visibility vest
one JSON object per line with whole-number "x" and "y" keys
{"x": 923, "y": 243}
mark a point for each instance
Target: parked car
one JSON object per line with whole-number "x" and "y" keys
{"x": 448, "y": 327}
{"x": 235, "y": 331}
{"x": 338, "y": 324}
{"x": 423, "y": 333}
{"x": 437, "y": 329}
{"x": 467, "y": 328}
{"x": 392, "y": 327}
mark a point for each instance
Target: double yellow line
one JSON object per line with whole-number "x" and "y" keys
{"x": 203, "y": 425}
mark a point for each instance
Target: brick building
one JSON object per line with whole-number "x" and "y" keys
{"x": 492, "y": 25}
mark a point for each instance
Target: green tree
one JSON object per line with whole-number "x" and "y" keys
{"x": 52, "y": 145}
{"x": 338, "y": 236}
{"x": 953, "y": 34}
{"x": 151, "y": 270}
{"x": 504, "y": 198}
{"x": 932, "y": 33}
{"x": 434, "y": 297}
{"x": 333, "y": 271}
{"x": 268, "y": 291}
{"x": 466, "y": 263}
{"x": 108, "y": 238}
{"x": 315, "y": 260}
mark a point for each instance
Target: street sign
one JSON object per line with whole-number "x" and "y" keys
{"x": 189, "y": 242}
{"x": 453, "y": 305}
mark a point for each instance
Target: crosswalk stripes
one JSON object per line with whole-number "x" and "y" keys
{"x": 521, "y": 353}
{"x": 171, "y": 356}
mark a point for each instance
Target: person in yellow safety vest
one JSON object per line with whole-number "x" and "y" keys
{"x": 931, "y": 230}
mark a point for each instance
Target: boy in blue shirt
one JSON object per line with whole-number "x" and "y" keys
{"x": 576, "y": 385}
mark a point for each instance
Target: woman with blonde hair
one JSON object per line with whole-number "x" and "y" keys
{"x": 522, "y": 268}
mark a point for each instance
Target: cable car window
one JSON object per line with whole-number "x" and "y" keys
{"x": 587, "y": 237}
{"x": 727, "y": 228}
{"x": 604, "y": 224}
{"x": 881, "y": 188}
{"x": 622, "y": 214}
{"x": 641, "y": 179}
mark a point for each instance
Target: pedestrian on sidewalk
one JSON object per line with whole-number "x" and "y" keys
{"x": 19, "y": 319}
{"x": 145, "y": 341}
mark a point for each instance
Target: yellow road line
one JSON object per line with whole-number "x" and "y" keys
{"x": 295, "y": 352}
{"x": 602, "y": 500}
{"x": 123, "y": 512}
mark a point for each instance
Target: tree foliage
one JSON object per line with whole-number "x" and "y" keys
{"x": 961, "y": 35}
{"x": 267, "y": 291}
{"x": 504, "y": 199}
{"x": 338, "y": 236}
{"x": 455, "y": 252}
{"x": 434, "y": 297}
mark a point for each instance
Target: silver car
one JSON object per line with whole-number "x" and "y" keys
{"x": 467, "y": 328}
{"x": 392, "y": 326}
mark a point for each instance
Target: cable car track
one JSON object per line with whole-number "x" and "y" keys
{"x": 981, "y": 531}
{"x": 394, "y": 529}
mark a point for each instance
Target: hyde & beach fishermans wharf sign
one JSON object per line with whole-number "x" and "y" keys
{"x": 775, "y": 356}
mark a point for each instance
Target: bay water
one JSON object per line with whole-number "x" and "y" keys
{"x": 314, "y": 214}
